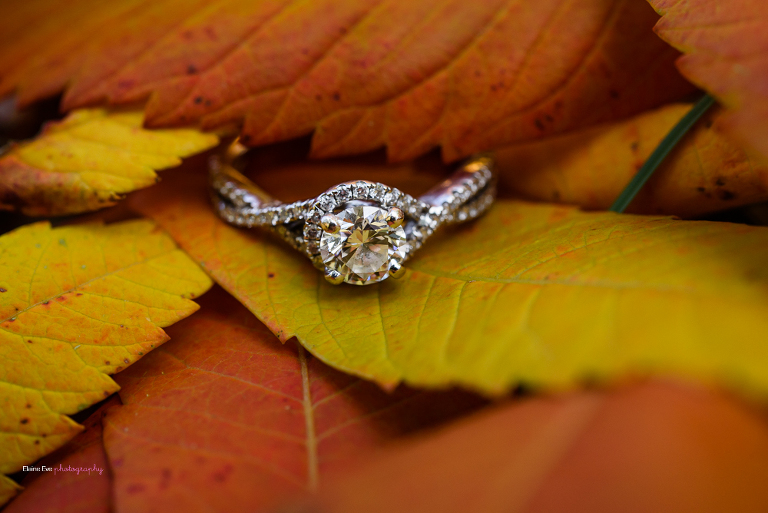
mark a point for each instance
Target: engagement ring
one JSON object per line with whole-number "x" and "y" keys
{"x": 357, "y": 232}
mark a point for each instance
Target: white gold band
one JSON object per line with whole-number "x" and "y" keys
{"x": 465, "y": 195}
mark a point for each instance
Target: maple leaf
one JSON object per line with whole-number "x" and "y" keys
{"x": 657, "y": 447}
{"x": 516, "y": 302}
{"x": 78, "y": 303}
{"x": 409, "y": 75}
{"x": 590, "y": 167}
{"x": 89, "y": 160}
{"x": 224, "y": 418}
{"x": 724, "y": 48}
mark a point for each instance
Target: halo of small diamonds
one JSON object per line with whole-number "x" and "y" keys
{"x": 378, "y": 194}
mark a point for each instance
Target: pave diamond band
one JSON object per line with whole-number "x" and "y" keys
{"x": 357, "y": 232}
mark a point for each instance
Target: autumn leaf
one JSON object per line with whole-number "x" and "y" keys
{"x": 539, "y": 294}
{"x": 89, "y": 161}
{"x": 65, "y": 489}
{"x": 78, "y": 303}
{"x": 8, "y": 489}
{"x": 724, "y": 47}
{"x": 532, "y": 297}
{"x": 705, "y": 173}
{"x": 655, "y": 447}
{"x": 409, "y": 75}
{"x": 225, "y": 418}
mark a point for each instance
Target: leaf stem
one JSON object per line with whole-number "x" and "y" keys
{"x": 660, "y": 153}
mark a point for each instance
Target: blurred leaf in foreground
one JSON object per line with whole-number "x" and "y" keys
{"x": 225, "y": 418}
{"x": 656, "y": 447}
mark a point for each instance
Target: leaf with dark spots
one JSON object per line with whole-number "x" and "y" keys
{"x": 60, "y": 340}
{"x": 726, "y": 195}
{"x": 590, "y": 168}
{"x": 70, "y": 491}
{"x": 406, "y": 70}
{"x": 89, "y": 161}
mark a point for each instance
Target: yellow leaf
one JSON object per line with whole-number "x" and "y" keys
{"x": 8, "y": 489}
{"x": 76, "y": 304}
{"x": 89, "y": 160}
{"x": 704, "y": 173}
{"x": 540, "y": 294}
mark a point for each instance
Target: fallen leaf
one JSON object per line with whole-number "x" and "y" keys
{"x": 89, "y": 161}
{"x": 78, "y": 480}
{"x": 532, "y": 293}
{"x": 724, "y": 47}
{"x": 704, "y": 173}
{"x": 78, "y": 303}
{"x": 644, "y": 448}
{"x": 409, "y": 75}
{"x": 225, "y": 418}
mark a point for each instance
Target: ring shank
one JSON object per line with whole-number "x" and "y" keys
{"x": 229, "y": 182}
{"x": 239, "y": 200}
{"x": 464, "y": 195}
{"x": 461, "y": 179}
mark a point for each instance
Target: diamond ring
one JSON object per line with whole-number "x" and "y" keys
{"x": 357, "y": 232}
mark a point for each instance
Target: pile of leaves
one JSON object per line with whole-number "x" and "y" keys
{"x": 548, "y": 356}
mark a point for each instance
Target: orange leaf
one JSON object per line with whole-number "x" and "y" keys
{"x": 704, "y": 173}
{"x": 724, "y": 45}
{"x": 647, "y": 448}
{"x": 408, "y": 75}
{"x": 89, "y": 160}
{"x": 225, "y": 418}
{"x": 65, "y": 489}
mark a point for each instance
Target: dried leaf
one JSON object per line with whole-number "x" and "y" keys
{"x": 361, "y": 74}
{"x": 76, "y": 304}
{"x": 646, "y": 448}
{"x": 530, "y": 293}
{"x": 225, "y": 418}
{"x": 724, "y": 45}
{"x": 704, "y": 173}
{"x": 89, "y": 161}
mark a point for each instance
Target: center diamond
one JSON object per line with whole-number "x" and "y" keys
{"x": 363, "y": 247}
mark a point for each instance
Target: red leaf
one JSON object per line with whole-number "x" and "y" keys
{"x": 224, "y": 417}
{"x": 649, "y": 448}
